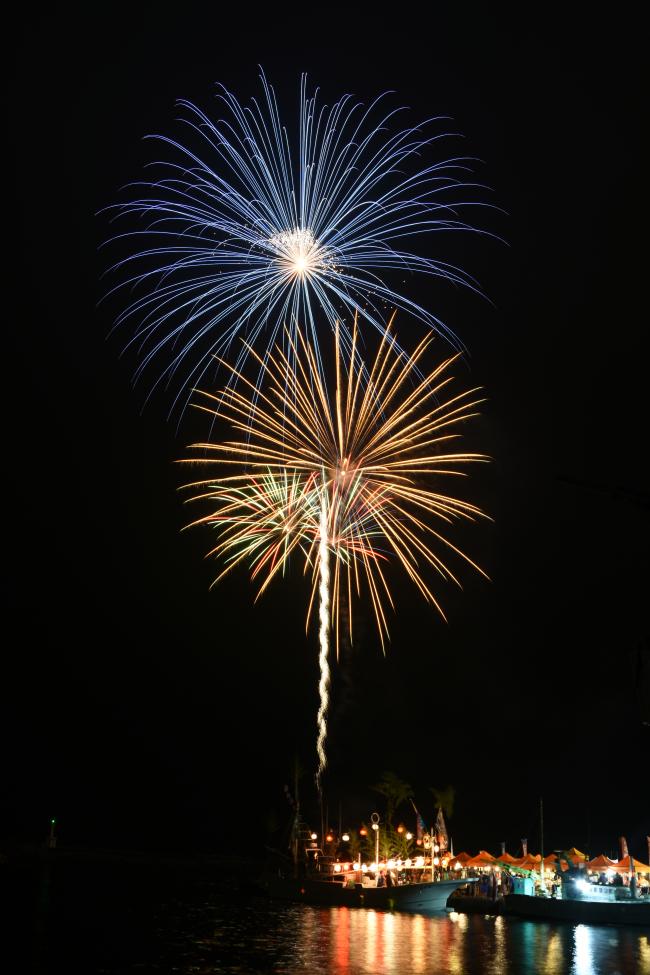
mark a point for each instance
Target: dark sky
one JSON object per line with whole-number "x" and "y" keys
{"x": 144, "y": 710}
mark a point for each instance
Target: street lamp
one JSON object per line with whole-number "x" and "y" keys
{"x": 375, "y": 826}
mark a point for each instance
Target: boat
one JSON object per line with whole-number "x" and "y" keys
{"x": 416, "y": 897}
{"x": 590, "y": 910}
{"x": 578, "y": 900}
{"x": 311, "y": 876}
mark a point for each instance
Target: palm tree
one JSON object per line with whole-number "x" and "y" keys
{"x": 444, "y": 798}
{"x": 395, "y": 791}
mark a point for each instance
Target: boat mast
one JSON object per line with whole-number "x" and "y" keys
{"x": 322, "y": 819}
{"x": 541, "y": 843}
{"x": 296, "y": 821}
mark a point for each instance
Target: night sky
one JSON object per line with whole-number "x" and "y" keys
{"x": 144, "y": 711}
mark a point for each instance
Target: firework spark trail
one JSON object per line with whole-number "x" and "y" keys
{"x": 323, "y": 635}
{"x": 350, "y": 480}
{"x": 242, "y": 234}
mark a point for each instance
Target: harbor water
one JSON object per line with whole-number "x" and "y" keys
{"x": 117, "y": 918}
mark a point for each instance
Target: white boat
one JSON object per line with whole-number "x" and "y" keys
{"x": 312, "y": 877}
{"x": 421, "y": 897}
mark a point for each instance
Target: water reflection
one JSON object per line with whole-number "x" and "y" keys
{"x": 500, "y": 962}
{"x": 378, "y": 942}
{"x": 583, "y": 960}
{"x": 90, "y": 923}
{"x": 554, "y": 954}
{"x": 375, "y": 943}
{"x": 644, "y": 953}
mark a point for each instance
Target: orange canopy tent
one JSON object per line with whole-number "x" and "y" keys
{"x": 529, "y": 862}
{"x": 576, "y": 855}
{"x": 462, "y": 858}
{"x": 505, "y": 858}
{"x": 601, "y": 863}
{"x": 625, "y": 866}
{"x": 482, "y": 859}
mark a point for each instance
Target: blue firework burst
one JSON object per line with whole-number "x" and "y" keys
{"x": 243, "y": 234}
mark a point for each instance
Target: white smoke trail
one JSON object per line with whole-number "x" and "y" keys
{"x": 323, "y": 636}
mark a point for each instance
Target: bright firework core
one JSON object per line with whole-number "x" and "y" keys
{"x": 344, "y": 473}
{"x": 298, "y": 252}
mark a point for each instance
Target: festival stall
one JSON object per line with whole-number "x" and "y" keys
{"x": 576, "y": 856}
{"x": 600, "y": 864}
{"x": 625, "y": 866}
{"x": 482, "y": 859}
{"x": 529, "y": 862}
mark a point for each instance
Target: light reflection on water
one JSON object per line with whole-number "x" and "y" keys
{"x": 84, "y": 921}
{"x": 366, "y": 942}
{"x": 584, "y": 959}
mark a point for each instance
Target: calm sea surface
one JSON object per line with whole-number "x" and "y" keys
{"x": 118, "y": 919}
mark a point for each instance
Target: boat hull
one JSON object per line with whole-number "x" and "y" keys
{"x": 418, "y": 898}
{"x": 589, "y": 912}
